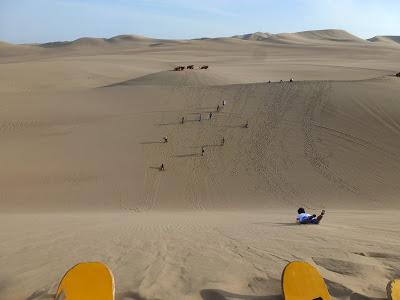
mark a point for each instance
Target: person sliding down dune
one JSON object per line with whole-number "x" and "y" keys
{"x": 304, "y": 218}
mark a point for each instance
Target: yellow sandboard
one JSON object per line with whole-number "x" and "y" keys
{"x": 87, "y": 281}
{"x": 393, "y": 290}
{"x": 301, "y": 281}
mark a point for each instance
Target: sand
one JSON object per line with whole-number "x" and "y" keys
{"x": 81, "y": 125}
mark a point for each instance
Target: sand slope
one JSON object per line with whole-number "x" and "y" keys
{"x": 119, "y": 40}
{"x": 308, "y": 143}
{"x": 308, "y": 37}
{"x": 334, "y": 35}
{"x": 390, "y": 40}
{"x": 201, "y": 256}
{"x": 257, "y": 36}
{"x": 176, "y": 78}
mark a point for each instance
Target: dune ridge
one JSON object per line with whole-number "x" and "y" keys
{"x": 327, "y": 35}
{"x": 387, "y": 39}
{"x": 257, "y": 36}
{"x": 313, "y": 36}
{"x": 177, "y": 78}
{"x": 98, "y": 42}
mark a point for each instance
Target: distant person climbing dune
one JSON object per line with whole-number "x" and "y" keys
{"x": 183, "y": 120}
{"x": 162, "y": 167}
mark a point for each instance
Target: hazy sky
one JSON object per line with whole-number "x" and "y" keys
{"x": 26, "y": 21}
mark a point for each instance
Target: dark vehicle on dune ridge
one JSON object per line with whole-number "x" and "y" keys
{"x": 398, "y": 74}
{"x": 204, "y": 67}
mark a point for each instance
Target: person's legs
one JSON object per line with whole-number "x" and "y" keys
{"x": 319, "y": 218}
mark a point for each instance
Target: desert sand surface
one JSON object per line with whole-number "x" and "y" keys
{"x": 81, "y": 128}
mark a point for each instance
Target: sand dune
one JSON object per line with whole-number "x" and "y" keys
{"x": 309, "y": 37}
{"x": 177, "y": 78}
{"x": 391, "y": 40}
{"x": 334, "y": 35}
{"x": 100, "y": 42}
{"x": 321, "y": 128}
{"x": 7, "y": 50}
{"x": 257, "y": 36}
{"x": 81, "y": 125}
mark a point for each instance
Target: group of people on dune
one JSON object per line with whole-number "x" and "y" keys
{"x": 302, "y": 216}
{"x": 210, "y": 115}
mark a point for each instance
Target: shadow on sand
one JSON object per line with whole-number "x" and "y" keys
{"x": 169, "y": 124}
{"x": 207, "y": 146}
{"x": 158, "y": 168}
{"x": 276, "y": 224}
{"x": 152, "y": 142}
{"x": 211, "y": 294}
{"x": 180, "y": 123}
{"x": 356, "y": 296}
{"x": 235, "y": 126}
{"x": 41, "y": 294}
{"x": 188, "y": 155}
{"x": 335, "y": 289}
{"x": 130, "y": 296}
{"x": 288, "y": 224}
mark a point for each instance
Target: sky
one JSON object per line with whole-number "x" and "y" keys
{"x": 30, "y": 21}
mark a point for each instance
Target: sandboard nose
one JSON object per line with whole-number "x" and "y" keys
{"x": 301, "y": 281}
{"x": 393, "y": 290}
{"x": 87, "y": 281}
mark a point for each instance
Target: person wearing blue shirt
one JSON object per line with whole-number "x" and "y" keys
{"x": 305, "y": 218}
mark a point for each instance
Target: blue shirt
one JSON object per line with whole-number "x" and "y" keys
{"x": 303, "y": 217}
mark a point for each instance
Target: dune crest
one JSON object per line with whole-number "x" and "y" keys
{"x": 313, "y": 36}
{"x": 257, "y": 36}
{"x": 388, "y": 39}
{"x": 177, "y": 78}
{"x": 99, "y": 42}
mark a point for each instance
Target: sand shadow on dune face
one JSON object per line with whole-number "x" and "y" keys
{"x": 41, "y": 294}
{"x": 234, "y": 126}
{"x": 288, "y": 224}
{"x": 338, "y": 290}
{"x": 188, "y": 155}
{"x": 207, "y": 145}
{"x": 212, "y": 294}
{"x": 170, "y": 123}
{"x": 356, "y": 296}
{"x": 180, "y": 122}
{"x": 130, "y": 296}
{"x": 155, "y": 168}
{"x": 382, "y": 255}
{"x": 151, "y": 142}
